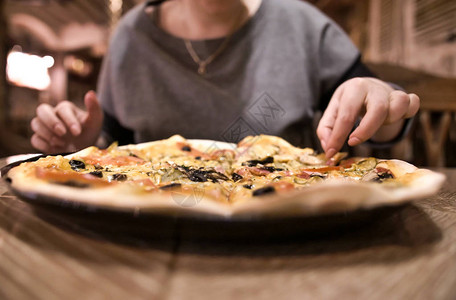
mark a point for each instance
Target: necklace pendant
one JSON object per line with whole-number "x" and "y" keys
{"x": 202, "y": 69}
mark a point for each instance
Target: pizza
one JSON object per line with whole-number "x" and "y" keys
{"x": 260, "y": 176}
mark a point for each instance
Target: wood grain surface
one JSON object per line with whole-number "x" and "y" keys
{"x": 408, "y": 254}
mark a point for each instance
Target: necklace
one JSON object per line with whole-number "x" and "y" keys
{"x": 202, "y": 63}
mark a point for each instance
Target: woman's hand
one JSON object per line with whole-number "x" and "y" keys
{"x": 67, "y": 128}
{"x": 381, "y": 108}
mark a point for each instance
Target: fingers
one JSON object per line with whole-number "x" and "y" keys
{"x": 376, "y": 114}
{"x": 375, "y": 101}
{"x": 402, "y": 106}
{"x": 66, "y": 111}
{"x": 67, "y": 127}
{"x": 398, "y": 106}
{"x": 48, "y": 117}
{"x": 45, "y": 134}
{"x": 326, "y": 125}
{"x": 94, "y": 110}
{"x": 350, "y": 104}
{"x": 59, "y": 119}
{"x": 55, "y": 127}
{"x": 48, "y": 128}
{"x": 414, "y": 106}
{"x": 40, "y": 144}
{"x": 328, "y": 119}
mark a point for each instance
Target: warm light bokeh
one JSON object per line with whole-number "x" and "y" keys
{"x": 28, "y": 70}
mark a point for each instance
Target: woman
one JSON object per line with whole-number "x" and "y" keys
{"x": 222, "y": 69}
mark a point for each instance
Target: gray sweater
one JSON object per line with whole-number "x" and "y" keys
{"x": 270, "y": 79}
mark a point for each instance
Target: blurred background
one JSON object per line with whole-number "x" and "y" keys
{"x": 52, "y": 50}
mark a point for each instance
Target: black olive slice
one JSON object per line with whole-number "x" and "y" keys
{"x": 254, "y": 162}
{"x": 236, "y": 177}
{"x": 98, "y": 174}
{"x": 170, "y": 186}
{"x": 77, "y": 164}
{"x": 263, "y": 191}
{"x": 119, "y": 177}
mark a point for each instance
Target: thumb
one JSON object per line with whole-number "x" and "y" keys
{"x": 94, "y": 111}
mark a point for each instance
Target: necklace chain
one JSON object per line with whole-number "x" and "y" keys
{"x": 203, "y": 63}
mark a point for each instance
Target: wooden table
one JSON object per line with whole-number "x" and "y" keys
{"x": 409, "y": 255}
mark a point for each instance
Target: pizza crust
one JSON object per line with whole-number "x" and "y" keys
{"x": 343, "y": 196}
